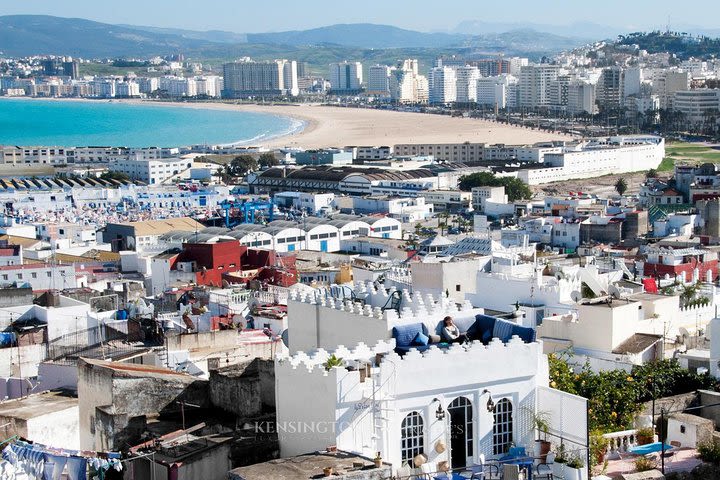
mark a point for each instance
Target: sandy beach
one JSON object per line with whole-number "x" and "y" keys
{"x": 338, "y": 127}
{"x": 326, "y": 126}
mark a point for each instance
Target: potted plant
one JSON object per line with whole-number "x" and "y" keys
{"x": 378, "y": 460}
{"x": 575, "y": 468}
{"x": 541, "y": 421}
{"x": 598, "y": 448}
{"x": 644, "y": 435}
{"x": 333, "y": 361}
{"x": 327, "y": 471}
{"x": 561, "y": 459}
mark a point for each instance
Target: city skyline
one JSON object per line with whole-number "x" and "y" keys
{"x": 247, "y": 18}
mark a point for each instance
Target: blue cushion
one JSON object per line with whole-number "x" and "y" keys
{"x": 503, "y": 330}
{"x": 405, "y": 334}
{"x": 482, "y": 329}
{"x": 421, "y": 339}
{"x": 527, "y": 334}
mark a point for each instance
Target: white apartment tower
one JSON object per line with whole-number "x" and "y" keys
{"x": 534, "y": 85}
{"x": 466, "y": 84}
{"x": 248, "y": 78}
{"x": 667, "y": 82}
{"x": 499, "y": 92}
{"x": 346, "y": 76}
{"x": 443, "y": 85}
{"x": 406, "y": 86}
{"x": 580, "y": 97}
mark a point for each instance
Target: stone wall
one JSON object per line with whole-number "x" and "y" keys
{"x": 246, "y": 389}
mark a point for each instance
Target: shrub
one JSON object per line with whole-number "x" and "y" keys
{"x": 709, "y": 452}
{"x": 576, "y": 461}
{"x": 643, "y": 464}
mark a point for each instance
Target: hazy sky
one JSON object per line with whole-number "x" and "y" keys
{"x": 275, "y": 15}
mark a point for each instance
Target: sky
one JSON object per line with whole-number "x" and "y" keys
{"x": 426, "y": 15}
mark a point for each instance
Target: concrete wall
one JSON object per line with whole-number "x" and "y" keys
{"x": 52, "y": 376}
{"x": 212, "y": 464}
{"x": 42, "y": 419}
{"x": 60, "y": 429}
{"x": 707, "y": 397}
{"x": 21, "y": 361}
{"x": 455, "y": 278}
{"x": 194, "y": 341}
{"x": 239, "y": 389}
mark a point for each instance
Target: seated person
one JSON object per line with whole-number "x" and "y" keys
{"x": 450, "y": 332}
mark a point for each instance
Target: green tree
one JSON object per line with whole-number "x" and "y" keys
{"x": 242, "y": 165}
{"x": 268, "y": 160}
{"x": 113, "y": 175}
{"x": 515, "y": 188}
{"x": 652, "y": 173}
{"x": 621, "y": 186}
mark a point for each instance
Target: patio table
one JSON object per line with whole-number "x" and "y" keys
{"x": 649, "y": 448}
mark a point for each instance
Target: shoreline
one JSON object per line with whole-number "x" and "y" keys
{"x": 322, "y": 126}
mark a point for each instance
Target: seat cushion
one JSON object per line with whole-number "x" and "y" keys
{"x": 503, "y": 330}
{"x": 405, "y": 334}
{"x": 482, "y": 329}
{"x": 421, "y": 339}
{"x": 527, "y": 334}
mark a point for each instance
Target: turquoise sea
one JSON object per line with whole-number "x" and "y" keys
{"x": 102, "y": 123}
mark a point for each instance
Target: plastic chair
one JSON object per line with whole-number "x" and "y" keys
{"x": 544, "y": 469}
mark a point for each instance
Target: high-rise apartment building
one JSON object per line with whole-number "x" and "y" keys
{"x": 248, "y": 78}
{"x": 466, "y": 84}
{"x": 534, "y": 85}
{"x": 406, "y": 85}
{"x": 580, "y": 97}
{"x": 443, "y": 85}
{"x": 698, "y": 106}
{"x": 499, "y": 91}
{"x": 667, "y": 82}
{"x": 609, "y": 90}
{"x": 346, "y": 76}
{"x": 379, "y": 79}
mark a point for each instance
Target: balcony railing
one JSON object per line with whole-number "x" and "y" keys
{"x": 621, "y": 442}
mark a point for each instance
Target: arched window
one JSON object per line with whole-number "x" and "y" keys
{"x": 502, "y": 426}
{"x": 412, "y": 436}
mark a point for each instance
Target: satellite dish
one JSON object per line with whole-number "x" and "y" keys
{"x": 284, "y": 337}
{"x": 684, "y": 333}
{"x": 576, "y": 296}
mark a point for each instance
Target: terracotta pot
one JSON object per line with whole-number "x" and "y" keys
{"x": 327, "y": 471}
{"x": 543, "y": 448}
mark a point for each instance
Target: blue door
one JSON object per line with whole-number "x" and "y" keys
{"x": 323, "y": 245}
{"x": 291, "y": 247}
{"x": 386, "y": 235}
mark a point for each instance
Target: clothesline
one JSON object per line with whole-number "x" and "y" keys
{"x": 43, "y": 462}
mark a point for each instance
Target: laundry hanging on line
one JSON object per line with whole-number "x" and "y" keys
{"x": 47, "y": 463}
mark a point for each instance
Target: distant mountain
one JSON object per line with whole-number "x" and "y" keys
{"x": 525, "y": 42}
{"x": 583, "y": 30}
{"x": 22, "y": 35}
{"x": 366, "y": 35}
{"x": 217, "y": 36}
{"x": 42, "y": 34}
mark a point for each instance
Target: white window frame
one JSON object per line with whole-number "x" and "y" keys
{"x": 502, "y": 426}
{"x": 412, "y": 436}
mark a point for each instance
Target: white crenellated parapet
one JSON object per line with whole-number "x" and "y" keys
{"x": 314, "y": 361}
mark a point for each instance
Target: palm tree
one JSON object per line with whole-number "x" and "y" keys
{"x": 621, "y": 186}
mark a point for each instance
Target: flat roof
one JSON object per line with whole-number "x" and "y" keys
{"x": 304, "y": 467}
{"x": 158, "y": 227}
{"x": 37, "y": 405}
